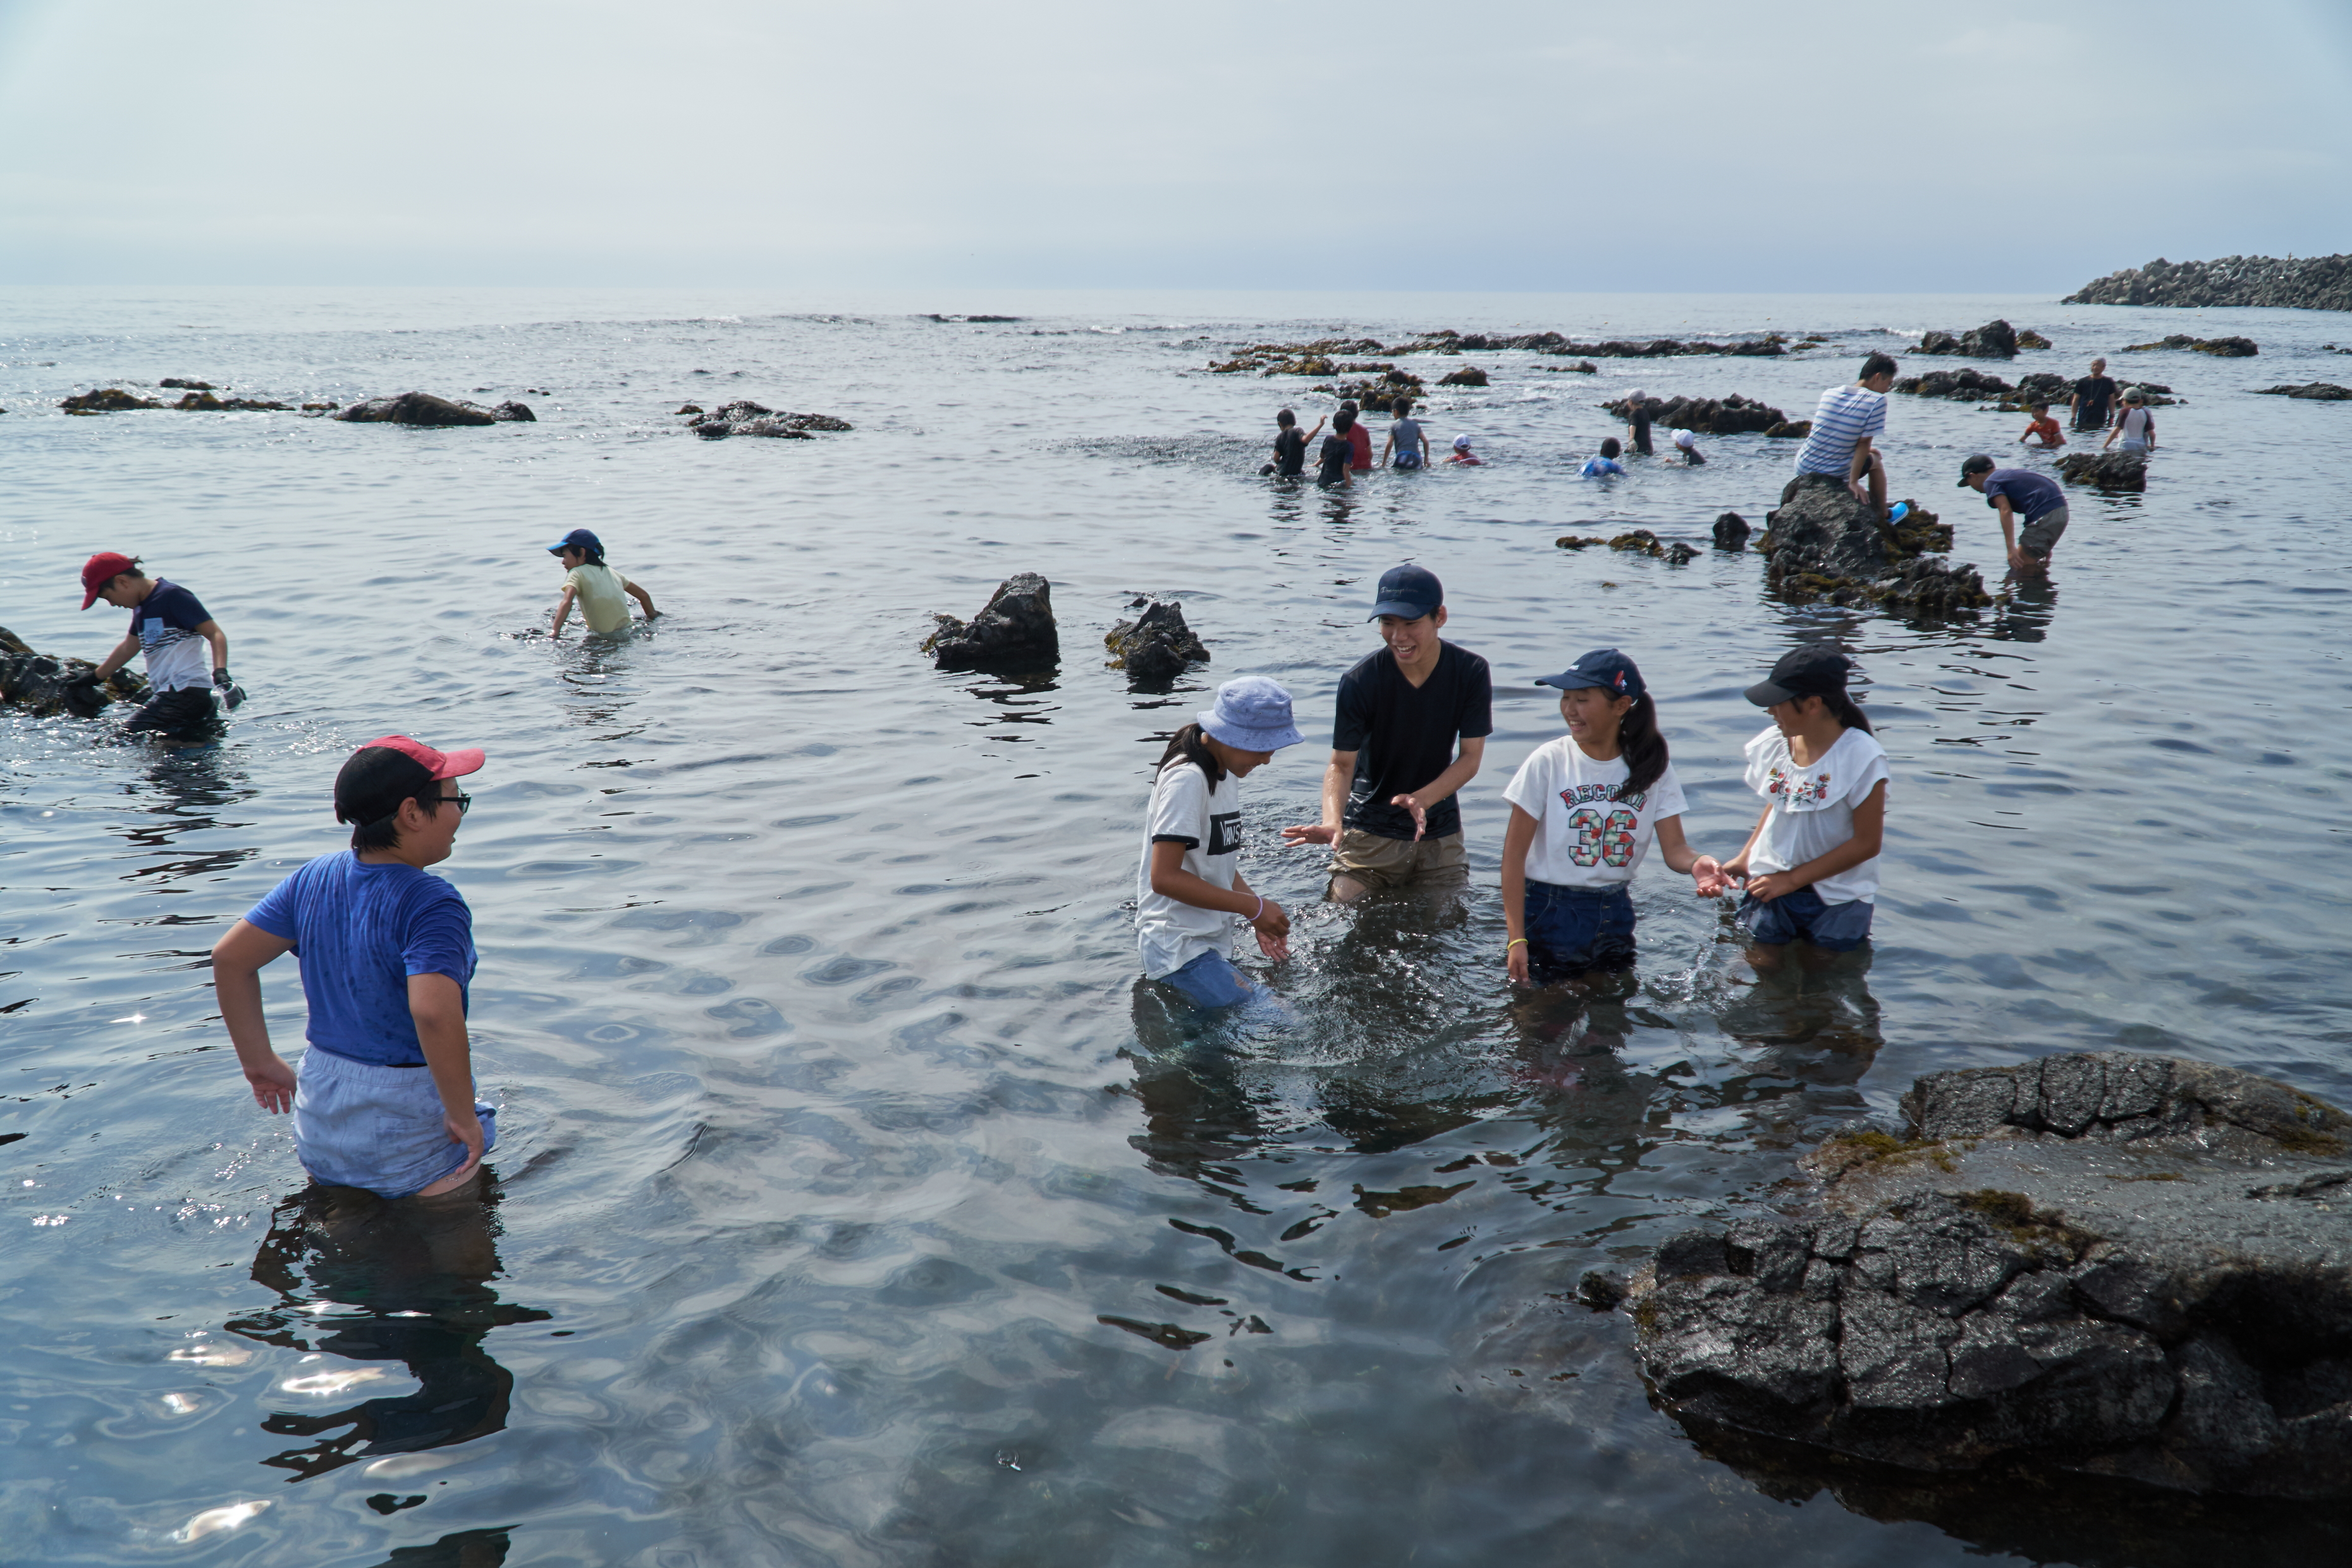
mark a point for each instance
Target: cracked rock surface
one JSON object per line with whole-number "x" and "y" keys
{"x": 2130, "y": 1267}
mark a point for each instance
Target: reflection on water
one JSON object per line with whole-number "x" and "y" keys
{"x": 363, "y": 1282}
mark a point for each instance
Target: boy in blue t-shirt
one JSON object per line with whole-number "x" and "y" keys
{"x": 384, "y": 1097}
{"x": 1606, "y": 465}
{"x": 172, "y": 630}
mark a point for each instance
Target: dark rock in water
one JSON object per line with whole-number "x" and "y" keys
{"x": 1731, "y": 416}
{"x": 1554, "y": 343}
{"x": 2322, "y": 391}
{"x": 2314, "y": 283}
{"x": 744, "y": 418}
{"x": 2223, "y": 348}
{"x": 1468, "y": 376}
{"x": 106, "y": 400}
{"x": 190, "y": 386}
{"x": 1679, "y": 555}
{"x": 1586, "y": 367}
{"x": 413, "y": 408}
{"x": 44, "y": 684}
{"x": 312, "y": 410}
{"x": 1016, "y": 628}
{"x": 1381, "y": 395}
{"x": 934, "y": 316}
{"x": 1967, "y": 385}
{"x": 2041, "y": 386}
{"x": 1602, "y": 1291}
{"x": 205, "y": 402}
{"x": 1731, "y": 532}
{"x": 1573, "y": 542}
{"x": 1789, "y": 430}
{"x": 1639, "y": 542}
{"x": 2027, "y": 337}
{"x": 514, "y": 413}
{"x": 2132, "y": 1266}
{"x": 1156, "y": 645}
{"x": 1995, "y": 340}
{"x": 690, "y": 408}
{"x": 2112, "y": 469}
{"x": 1821, "y": 543}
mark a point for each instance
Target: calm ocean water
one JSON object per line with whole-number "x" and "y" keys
{"x": 858, "y": 1208}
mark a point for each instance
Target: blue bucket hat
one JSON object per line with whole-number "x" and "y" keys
{"x": 579, "y": 539}
{"x": 1605, "y": 667}
{"x": 1252, "y": 714}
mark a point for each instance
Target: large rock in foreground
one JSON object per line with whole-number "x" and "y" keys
{"x": 1995, "y": 340}
{"x": 2314, "y": 283}
{"x": 2131, "y": 1267}
{"x": 44, "y": 683}
{"x": 1015, "y": 630}
{"x": 1821, "y": 543}
{"x": 2113, "y": 470}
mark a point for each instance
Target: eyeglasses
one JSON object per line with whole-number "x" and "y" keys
{"x": 461, "y": 800}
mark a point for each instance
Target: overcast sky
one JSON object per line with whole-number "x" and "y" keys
{"x": 1812, "y": 145}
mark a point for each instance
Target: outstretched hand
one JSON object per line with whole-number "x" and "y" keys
{"x": 1310, "y": 833}
{"x": 1707, "y": 877}
{"x": 273, "y": 1084}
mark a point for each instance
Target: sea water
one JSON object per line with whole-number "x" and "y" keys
{"x": 856, "y": 1204}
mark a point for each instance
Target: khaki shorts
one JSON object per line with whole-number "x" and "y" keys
{"x": 1379, "y": 863}
{"x": 2037, "y": 538}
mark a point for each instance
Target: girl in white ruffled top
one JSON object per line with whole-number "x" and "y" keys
{"x": 1811, "y": 866}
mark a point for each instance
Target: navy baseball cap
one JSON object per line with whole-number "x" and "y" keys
{"x": 1816, "y": 669}
{"x": 1408, "y": 593}
{"x": 1980, "y": 464}
{"x": 578, "y": 538}
{"x": 1605, "y": 667}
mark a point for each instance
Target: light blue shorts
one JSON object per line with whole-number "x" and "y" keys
{"x": 1210, "y": 980}
{"x": 360, "y": 1125}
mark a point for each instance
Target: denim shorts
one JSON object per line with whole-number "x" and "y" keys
{"x": 1832, "y": 928}
{"x": 360, "y": 1125}
{"x": 1573, "y": 930}
{"x": 1210, "y": 981}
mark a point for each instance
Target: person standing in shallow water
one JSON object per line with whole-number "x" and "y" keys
{"x": 1190, "y": 889}
{"x": 173, "y": 632}
{"x": 1637, "y": 422}
{"x": 1406, "y": 447}
{"x": 385, "y": 1097}
{"x": 2020, "y": 494}
{"x": 2095, "y": 395}
{"x": 1810, "y": 864}
{"x": 596, "y": 586}
{"x": 1289, "y": 447}
{"x": 1389, "y": 806}
{"x": 1334, "y": 458}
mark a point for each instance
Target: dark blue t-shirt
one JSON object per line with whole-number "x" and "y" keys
{"x": 2030, "y": 494}
{"x": 1403, "y": 735}
{"x": 360, "y": 932}
{"x": 165, "y": 623}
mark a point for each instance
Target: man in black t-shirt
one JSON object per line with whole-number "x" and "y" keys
{"x": 1389, "y": 810}
{"x": 1334, "y": 458}
{"x": 2095, "y": 395}
{"x": 1289, "y": 447}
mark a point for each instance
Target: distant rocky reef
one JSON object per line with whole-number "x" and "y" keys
{"x": 2313, "y": 283}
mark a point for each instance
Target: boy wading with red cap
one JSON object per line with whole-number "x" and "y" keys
{"x": 384, "y": 1099}
{"x": 173, "y": 630}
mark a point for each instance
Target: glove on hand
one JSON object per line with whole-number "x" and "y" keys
{"x": 231, "y": 693}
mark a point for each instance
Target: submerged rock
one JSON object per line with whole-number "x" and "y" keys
{"x": 2323, "y": 391}
{"x": 413, "y": 408}
{"x": 1789, "y": 430}
{"x": 205, "y": 402}
{"x": 174, "y": 381}
{"x": 106, "y": 400}
{"x": 1156, "y": 645}
{"x": 45, "y": 684}
{"x": 2224, "y": 348}
{"x": 2313, "y": 283}
{"x": 1576, "y": 541}
{"x": 744, "y": 418}
{"x": 1822, "y": 543}
{"x": 1016, "y": 628}
{"x": 2130, "y": 1267}
{"x": 2112, "y": 469}
{"x": 1731, "y": 416}
{"x": 513, "y": 412}
{"x": 1995, "y": 340}
{"x": 1731, "y": 532}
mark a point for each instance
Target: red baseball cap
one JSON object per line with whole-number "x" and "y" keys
{"x": 440, "y": 764}
{"x": 100, "y": 570}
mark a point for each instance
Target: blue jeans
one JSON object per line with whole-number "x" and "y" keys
{"x": 1832, "y": 928}
{"x": 1573, "y": 930}
{"x": 1210, "y": 981}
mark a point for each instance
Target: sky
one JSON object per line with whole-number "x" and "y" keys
{"x": 1710, "y": 145}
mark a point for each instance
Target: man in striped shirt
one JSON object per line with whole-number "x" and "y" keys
{"x": 1848, "y": 420}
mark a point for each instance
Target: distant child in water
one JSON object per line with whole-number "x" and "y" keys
{"x": 1289, "y": 447}
{"x": 1189, "y": 889}
{"x": 1810, "y": 864}
{"x": 1606, "y": 464}
{"x": 1686, "y": 443}
{"x": 1359, "y": 439}
{"x": 2043, "y": 431}
{"x": 1584, "y": 808}
{"x": 1462, "y": 452}
{"x": 1406, "y": 447}
{"x": 1332, "y": 459}
{"x": 595, "y": 585}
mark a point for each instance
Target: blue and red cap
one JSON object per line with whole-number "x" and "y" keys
{"x": 1604, "y": 668}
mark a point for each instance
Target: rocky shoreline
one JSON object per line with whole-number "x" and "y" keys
{"x": 2311, "y": 283}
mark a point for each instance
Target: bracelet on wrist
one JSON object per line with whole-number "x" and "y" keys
{"x": 1261, "y": 909}
{"x": 1515, "y": 941}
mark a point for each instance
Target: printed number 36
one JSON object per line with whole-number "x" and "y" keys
{"x": 1599, "y": 838}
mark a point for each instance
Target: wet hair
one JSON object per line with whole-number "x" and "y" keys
{"x": 1842, "y": 708}
{"x": 1345, "y": 420}
{"x": 1876, "y": 364}
{"x": 1193, "y": 747}
{"x": 1286, "y": 419}
{"x": 1642, "y": 747}
{"x": 371, "y": 788}
{"x": 1609, "y": 446}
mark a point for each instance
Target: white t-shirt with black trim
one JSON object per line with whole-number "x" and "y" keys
{"x": 1585, "y": 837}
{"x": 1812, "y": 807}
{"x": 1208, "y": 823}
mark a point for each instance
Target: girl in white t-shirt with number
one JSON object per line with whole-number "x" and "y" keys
{"x": 1811, "y": 866}
{"x": 1583, "y": 810}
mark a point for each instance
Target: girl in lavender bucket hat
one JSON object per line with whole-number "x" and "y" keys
{"x": 1189, "y": 888}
